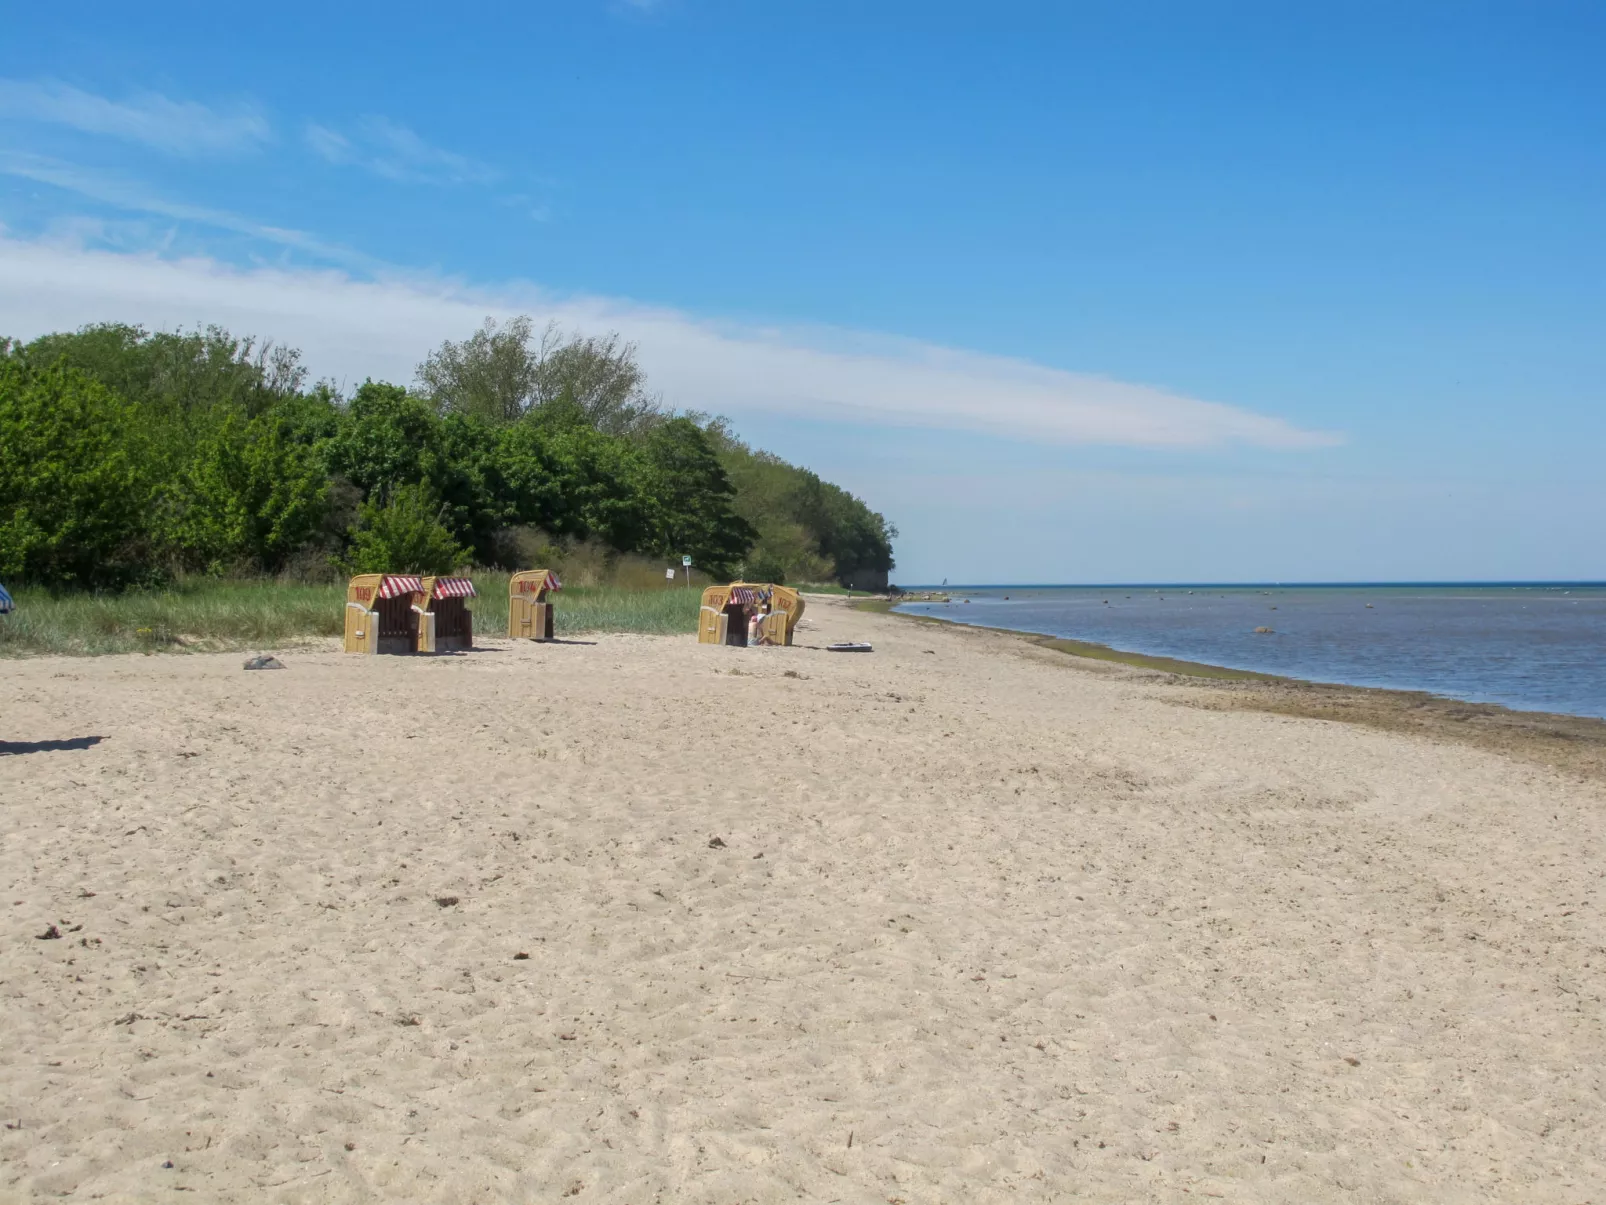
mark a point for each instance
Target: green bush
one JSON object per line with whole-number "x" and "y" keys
{"x": 404, "y": 536}
{"x": 74, "y": 479}
{"x": 135, "y": 458}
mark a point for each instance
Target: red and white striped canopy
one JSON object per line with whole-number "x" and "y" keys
{"x": 395, "y": 585}
{"x": 748, "y": 596}
{"x": 552, "y": 582}
{"x": 454, "y": 587}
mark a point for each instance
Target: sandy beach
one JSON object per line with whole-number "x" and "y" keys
{"x": 637, "y": 920}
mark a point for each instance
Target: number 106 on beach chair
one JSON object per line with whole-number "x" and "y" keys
{"x": 529, "y": 613}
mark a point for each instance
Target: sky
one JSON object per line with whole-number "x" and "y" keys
{"x": 1125, "y": 292}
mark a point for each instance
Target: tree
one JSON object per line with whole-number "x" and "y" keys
{"x": 387, "y": 437}
{"x": 814, "y": 530}
{"x": 250, "y": 496}
{"x": 404, "y": 535}
{"x": 691, "y": 499}
{"x": 491, "y": 375}
{"x": 75, "y": 479}
{"x": 178, "y": 372}
{"x": 501, "y": 374}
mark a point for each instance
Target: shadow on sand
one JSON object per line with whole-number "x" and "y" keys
{"x": 16, "y": 748}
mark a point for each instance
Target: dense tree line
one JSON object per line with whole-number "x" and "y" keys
{"x": 127, "y": 456}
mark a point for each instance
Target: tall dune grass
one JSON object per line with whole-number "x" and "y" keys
{"x": 209, "y": 615}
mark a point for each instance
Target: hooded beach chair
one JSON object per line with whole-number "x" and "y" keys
{"x": 382, "y": 613}
{"x": 445, "y": 624}
{"x": 529, "y": 614}
{"x": 727, "y": 611}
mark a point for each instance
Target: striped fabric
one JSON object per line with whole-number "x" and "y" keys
{"x": 454, "y": 587}
{"x": 749, "y": 596}
{"x": 6, "y": 605}
{"x": 552, "y": 582}
{"x": 395, "y": 585}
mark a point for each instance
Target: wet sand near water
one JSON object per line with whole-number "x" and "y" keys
{"x": 959, "y": 920}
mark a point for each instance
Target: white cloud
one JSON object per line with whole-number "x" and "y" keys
{"x": 123, "y": 193}
{"x": 351, "y": 329}
{"x": 177, "y": 127}
{"x": 395, "y": 152}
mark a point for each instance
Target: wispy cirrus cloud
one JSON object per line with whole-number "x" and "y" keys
{"x": 382, "y": 326}
{"x": 184, "y": 128}
{"x": 395, "y": 152}
{"x": 131, "y": 195}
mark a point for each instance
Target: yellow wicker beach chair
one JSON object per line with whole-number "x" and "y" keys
{"x": 446, "y": 625}
{"x": 529, "y": 614}
{"x": 727, "y": 609}
{"x": 383, "y": 611}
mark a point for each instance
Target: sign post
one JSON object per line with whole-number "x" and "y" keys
{"x": 686, "y": 562}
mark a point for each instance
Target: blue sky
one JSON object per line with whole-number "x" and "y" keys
{"x": 1072, "y": 293}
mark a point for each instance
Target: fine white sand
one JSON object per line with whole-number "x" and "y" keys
{"x": 987, "y": 923}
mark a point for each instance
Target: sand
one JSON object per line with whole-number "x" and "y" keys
{"x": 960, "y": 920}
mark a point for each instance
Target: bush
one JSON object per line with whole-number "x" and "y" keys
{"x": 250, "y": 496}
{"x": 74, "y": 479}
{"x": 404, "y": 535}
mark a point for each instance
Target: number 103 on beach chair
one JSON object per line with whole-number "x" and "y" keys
{"x": 529, "y": 613}
{"x": 745, "y": 613}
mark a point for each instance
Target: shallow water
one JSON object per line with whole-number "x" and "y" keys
{"x": 1533, "y": 647}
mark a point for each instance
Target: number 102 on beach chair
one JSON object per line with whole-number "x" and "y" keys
{"x": 529, "y": 613}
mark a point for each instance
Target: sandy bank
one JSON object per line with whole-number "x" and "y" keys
{"x": 1017, "y": 929}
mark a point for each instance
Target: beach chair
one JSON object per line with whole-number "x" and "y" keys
{"x": 382, "y": 613}
{"x": 726, "y": 610}
{"x": 529, "y": 614}
{"x": 445, "y": 624}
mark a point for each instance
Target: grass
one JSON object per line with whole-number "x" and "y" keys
{"x": 659, "y": 610}
{"x": 207, "y": 615}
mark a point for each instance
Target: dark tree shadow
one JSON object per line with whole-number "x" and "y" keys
{"x": 15, "y": 748}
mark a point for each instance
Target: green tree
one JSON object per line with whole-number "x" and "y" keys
{"x": 249, "y": 497}
{"x": 691, "y": 498}
{"x": 404, "y": 535}
{"x": 75, "y": 479}
{"x": 387, "y": 437}
{"x": 815, "y": 530}
{"x": 178, "y": 372}
{"x": 502, "y": 373}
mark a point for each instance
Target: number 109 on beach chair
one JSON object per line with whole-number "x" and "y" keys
{"x": 382, "y": 611}
{"x": 405, "y": 613}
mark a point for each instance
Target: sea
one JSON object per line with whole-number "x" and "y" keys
{"x": 1527, "y": 646}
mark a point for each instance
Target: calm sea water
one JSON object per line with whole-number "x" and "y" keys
{"x": 1533, "y": 647}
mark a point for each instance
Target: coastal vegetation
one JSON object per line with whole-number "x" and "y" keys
{"x": 200, "y": 614}
{"x": 161, "y": 462}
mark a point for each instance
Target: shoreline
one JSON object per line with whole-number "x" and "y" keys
{"x": 564, "y": 920}
{"x": 1575, "y": 744}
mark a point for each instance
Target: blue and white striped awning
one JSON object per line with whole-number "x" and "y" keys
{"x": 6, "y": 605}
